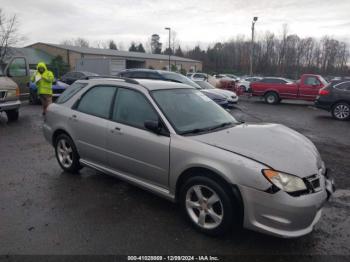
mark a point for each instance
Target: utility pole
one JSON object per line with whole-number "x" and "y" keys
{"x": 252, "y": 46}
{"x": 169, "y": 29}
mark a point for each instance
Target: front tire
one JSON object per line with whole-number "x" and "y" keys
{"x": 272, "y": 98}
{"x": 12, "y": 115}
{"x": 341, "y": 111}
{"x": 208, "y": 205}
{"x": 67, "y": 154}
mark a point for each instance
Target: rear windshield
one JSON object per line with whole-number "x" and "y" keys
{"x": 70, "y": 91}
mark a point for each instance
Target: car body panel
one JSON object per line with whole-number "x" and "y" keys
{"x": 139, "y": 152}
{"x": 300, "y": 89}
{"x": 237, "y": 155}
{"x": 244, "y": 140}
{"x": 335, "y": 95}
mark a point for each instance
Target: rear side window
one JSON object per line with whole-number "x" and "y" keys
{"x": 139, "y": 75}
{"x": 97, "y": 101}
{"x": 343, "y": 86}
{"x": 132, "y": 108}
{"x": 70, "y": 91}
{"x": 311, "y": 80}
{"x": 124, "y": 74}
{"x": 268, "y": 80}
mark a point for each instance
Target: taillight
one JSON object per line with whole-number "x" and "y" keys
{"x": 323, "y": 92}
{"x": 17, "y": 91}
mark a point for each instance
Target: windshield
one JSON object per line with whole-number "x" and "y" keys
{"x": 191, "y": 112}
{"x": 205, "y": 85}
{"x": 180, "y": 78}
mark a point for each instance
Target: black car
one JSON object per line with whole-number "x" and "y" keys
{"x": 70, "y": 77}
{"x": 335, "y": 98}
{"x": 174, "y": 77}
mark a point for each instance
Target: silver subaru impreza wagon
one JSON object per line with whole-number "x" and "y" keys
{"x": 174, "y": 141}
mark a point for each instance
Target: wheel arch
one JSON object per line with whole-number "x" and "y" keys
{"x": 206, "y": 172}
{"x": 272, "y": 91}
{"x": 203, "y": 171}
{"x": 340, "y": 101}
{"x": 58, "y": 132}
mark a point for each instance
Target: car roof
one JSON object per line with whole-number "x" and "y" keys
{"x": 147, "y": 70}
{"x": 148, "y": 84}
{"x": 160, "y": 84}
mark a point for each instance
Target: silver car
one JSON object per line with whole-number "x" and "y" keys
{"x": 172, "y": 140}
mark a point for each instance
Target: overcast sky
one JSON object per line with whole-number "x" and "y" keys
{"x": 195, "y": 21}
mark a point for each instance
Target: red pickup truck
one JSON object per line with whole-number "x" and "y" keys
{"x": 274, "y": 89}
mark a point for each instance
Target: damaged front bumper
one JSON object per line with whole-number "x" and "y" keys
{"x": 283, "y": 215}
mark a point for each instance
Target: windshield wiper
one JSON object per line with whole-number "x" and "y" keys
{"x": 221, "y": 125}
{"x": 195, "y": 131}
{"x": 200, "y": 130}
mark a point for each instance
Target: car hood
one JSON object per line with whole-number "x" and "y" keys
{"x": 226, "y": 93}
{"x": 7, "y": 83}
{"x": 276, "y": 146}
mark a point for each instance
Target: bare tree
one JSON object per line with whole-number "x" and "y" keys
{"x": 8, "y": 34}
{"x": 81, "y": 42}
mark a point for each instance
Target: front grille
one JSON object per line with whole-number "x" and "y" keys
{"x": 313, "y": 183}
{"x": 2, "y": 94}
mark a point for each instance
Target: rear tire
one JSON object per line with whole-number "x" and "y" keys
{"x": 271, "y": 98}
{"x": 213, "y": 211}
{"x": 67, "y": 154}
{"x": 12, "y": 115}
{"x": 341, "y": 111}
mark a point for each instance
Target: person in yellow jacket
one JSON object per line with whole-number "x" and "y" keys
{"x": 43, "y": 79}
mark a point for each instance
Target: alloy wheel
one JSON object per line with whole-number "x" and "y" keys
{"x": 204, "y": 206}
{"x": 65, "y": 153}
{"x": 342, "y": 111}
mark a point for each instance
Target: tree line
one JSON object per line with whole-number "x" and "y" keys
{"x": 288, "y": 56}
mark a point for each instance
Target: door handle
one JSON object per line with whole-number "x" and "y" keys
{"x": 74, "y": 117}
{"x": 116, "y": 130}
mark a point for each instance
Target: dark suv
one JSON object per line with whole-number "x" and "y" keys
{"x": 335, "y": 98}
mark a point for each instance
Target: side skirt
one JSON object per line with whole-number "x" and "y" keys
{"x": 162, "y": 192}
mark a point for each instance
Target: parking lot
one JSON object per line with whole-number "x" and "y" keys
{"x": 45, "y": 211}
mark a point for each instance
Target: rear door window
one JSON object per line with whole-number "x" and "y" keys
{"x": 97, "y": 101}
{"x": 70, "y": 91}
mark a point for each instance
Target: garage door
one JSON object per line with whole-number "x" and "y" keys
{"x": 117, "y": 65}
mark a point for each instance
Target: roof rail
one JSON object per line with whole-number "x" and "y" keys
{"x": 127, "y": 80}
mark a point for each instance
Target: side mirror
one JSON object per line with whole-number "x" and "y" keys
{"x": 153, "y": 126}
